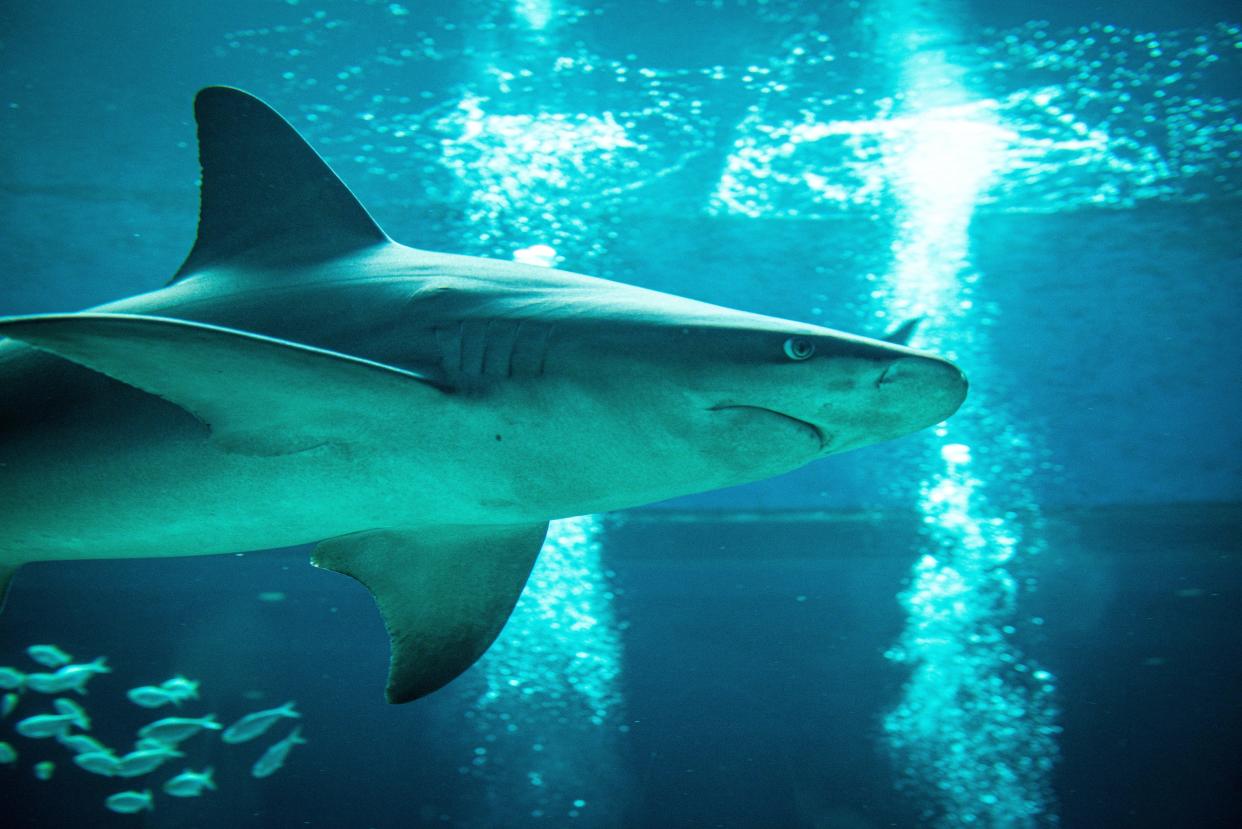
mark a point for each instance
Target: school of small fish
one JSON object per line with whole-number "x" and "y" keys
{"x": 156, "y": 743}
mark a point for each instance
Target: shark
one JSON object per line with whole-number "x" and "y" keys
{"x": 419, "y": 417}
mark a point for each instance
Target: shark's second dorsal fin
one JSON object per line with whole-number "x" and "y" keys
{"x": 267, "y": 199}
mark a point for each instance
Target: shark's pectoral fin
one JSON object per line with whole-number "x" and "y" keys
{"x": 444, "y": 592}
{"x": 258, "y": 394}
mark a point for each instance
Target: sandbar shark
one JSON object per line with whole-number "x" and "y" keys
{"x": 419, "y": 416}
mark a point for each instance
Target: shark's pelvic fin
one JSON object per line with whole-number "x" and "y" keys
{"x": 267, "y": 199}
{"x": 445, "y": 592}
{"x": 259, "y": 395}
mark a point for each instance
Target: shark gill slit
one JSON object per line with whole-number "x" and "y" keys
{"x": 461, "y": 346}
{"x": 513, "y": 344}
{"x": 445, "y": 343}
{"x": 485, "y": 347}
{"x": 543, "y": 349}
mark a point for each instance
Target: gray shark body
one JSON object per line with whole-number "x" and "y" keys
{"x": 421, "y": 416}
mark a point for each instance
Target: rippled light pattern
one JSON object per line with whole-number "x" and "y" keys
{"x": 517, "y": 168}
{"x": 1099, "y": 115}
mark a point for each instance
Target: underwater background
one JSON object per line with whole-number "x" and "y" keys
{"x": 1027, "y": 617}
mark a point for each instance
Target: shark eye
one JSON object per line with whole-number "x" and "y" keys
{"x": 798, "y": 348}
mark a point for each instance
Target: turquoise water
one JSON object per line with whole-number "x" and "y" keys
{"x": 1019, "y": 618}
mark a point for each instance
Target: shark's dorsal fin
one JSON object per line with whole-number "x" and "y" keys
{"x": 903, "y": 332}
{"x": 266, "y": 198}
{"x": 444, "y": 592}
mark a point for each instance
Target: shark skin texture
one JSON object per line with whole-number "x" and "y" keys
{"x": 420, "y": 416}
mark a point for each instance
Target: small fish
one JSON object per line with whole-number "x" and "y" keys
{"x": 76, "y": 676}
{"x": 46, "y": 725}
{"x": 129, "y": 802}
{"x": 49, "y": 655}
{"x": 149, "y": 696}
{"x": 190, "y": 783}
{"x": 71, "y": 709}
{"x": 145, "y": 760}
{"x": 68, "y": 678}
{"x": 253, "y": 725}
{"x": 44, "y": 770}
{"x": 46, "y": 683}
{"x": 175, "y": 729}
{"x": 99, "y": 762}
{"x": 275, "y": 755}
{"x": 8, "y": 754}
{"x": 10, "y": 702}
{"x": 80, "y": 743}
{"x": 12, "y": 679}
{"x": 182, "y": 687}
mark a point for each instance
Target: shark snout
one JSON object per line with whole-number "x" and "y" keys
{"x": 919, "y": 391}
{"x": 940, "y": 384}
{"x": 847, "y": 401}
{"x": 888, "y": 398}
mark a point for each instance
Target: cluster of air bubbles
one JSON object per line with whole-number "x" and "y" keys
{"x": 561, "y": 646}
{"x": 974, "y": 734}
{"x": 550, "y": 704}
{"x": 995, "y": 743}
{"x": 975, "y": 731}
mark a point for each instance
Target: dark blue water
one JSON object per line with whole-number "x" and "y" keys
{"x": 745, "y": 706}
{"x": 1027, "y": 619}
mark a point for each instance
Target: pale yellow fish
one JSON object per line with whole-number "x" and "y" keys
{"x": 129, "y": 802}
{"x": 254, "y": 725}
{"x": 99, "y": 762}
{"x": 274, "y": 758}
{"x": 190, "y": 783}
{"x": 49, "y": 656}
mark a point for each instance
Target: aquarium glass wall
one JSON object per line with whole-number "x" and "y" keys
{"x": 1024, "y": 616}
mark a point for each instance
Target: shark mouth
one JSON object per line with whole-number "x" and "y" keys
{"x": 809, "y": 429}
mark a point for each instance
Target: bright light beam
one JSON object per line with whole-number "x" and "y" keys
{"x": 974, "y": 732}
